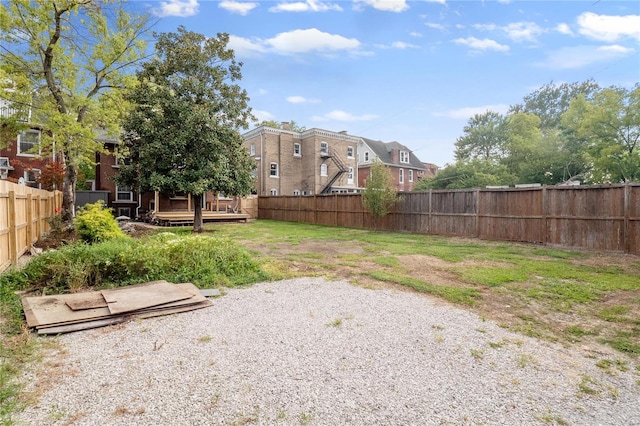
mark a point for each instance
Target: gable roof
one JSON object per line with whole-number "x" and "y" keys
{"x": 383, "y": 152}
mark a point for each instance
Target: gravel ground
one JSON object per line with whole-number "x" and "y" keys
{"x": 310, "y": 351}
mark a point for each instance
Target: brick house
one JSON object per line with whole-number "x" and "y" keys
{"x": 311, "y": 162}
{"x": 21, "y": 160}
{"x": 405, "y": 167}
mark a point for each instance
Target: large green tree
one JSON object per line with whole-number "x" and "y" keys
{"x": 608, "y": 127}
{"x": 484, "y": 138}
{"x": 77, "y": 55}
{"x": 550, "y": 101}
{"x": 182, "y": 135}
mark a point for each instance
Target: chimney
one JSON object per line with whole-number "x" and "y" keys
{"x": 342, "y": 132}
{"x": 285, "y": 125}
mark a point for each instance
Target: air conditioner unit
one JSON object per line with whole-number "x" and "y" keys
{"x": 4, "y": 172}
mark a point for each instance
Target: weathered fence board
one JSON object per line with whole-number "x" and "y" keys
{"x": 23, "y": 219}
{"x": 600, "y": 217}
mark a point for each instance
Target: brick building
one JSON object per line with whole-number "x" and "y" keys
{"x": 311, "y": 162}
{"x": 405, "y": 167}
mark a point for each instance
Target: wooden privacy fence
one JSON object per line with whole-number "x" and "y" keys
{"x": 23, "y": 219}
{"x": 602, "y": 217}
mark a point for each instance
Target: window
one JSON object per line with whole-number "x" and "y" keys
{"x": 29, "y": 142}
{"x": 366, "y": 156}
{"x": 404, "y": 157}
{"x": 123, "y": 193}
{"x": 296, "y": 192}
{"x": 31, "y": 178}
{"x": 323, "y": 170}
{"x": 273, "y": 170}
{"x": 350, "y": 151}
{"x": 350, "y": 176}
{"x": 297, "y": 152}
{"x": 252, "y": 149}
{"x": 410, "y": 175}
{"x": 124, "y": 211}
{"x": 401, "y": 176}
{"x": 274, "y": 192}
{"x": 324, "y": 148}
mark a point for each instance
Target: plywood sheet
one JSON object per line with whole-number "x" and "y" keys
{"x": 54, "y": 314}
{"x": 47, "y": 310}
{"x": 136, "y": 297}
{"x": 89, "y": 300}
{"x": 85, "y": 325}
{"x": 176, "y": 310}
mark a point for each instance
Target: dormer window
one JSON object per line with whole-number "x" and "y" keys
{"x": 404, "y": 157}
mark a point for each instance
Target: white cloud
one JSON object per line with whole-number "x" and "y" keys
{"x": 181, "y": 8}
{"x": 338, "y": 115}
{"x": 244, "y": 47}
{"x": 239, "y": 7}
{"x": 385, "y": 5}
{"x": 415, "y": 34}
{"x": 582, "y": 56}
{"x": 305, "y": 6}
{"x": 262, "y": 115}
{"x": 435, "y": 26}
{"x": 402, "y": 45}
{"x": 262, "y": 91}
{"x": 301, "y": 41}
{"x": 296, "y": 41}
{"x": 609, "y": 28}
{"x": 485, "y": 27}
{"x": 481, "y": 45}
{"x": 468, "y": 112}
{"x": 523, "y": 31}
{"x": 302, "y": 100}
{"x": 516, "y": 31}
{"x": 564, "y": 29}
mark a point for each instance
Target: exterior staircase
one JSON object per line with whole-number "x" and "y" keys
{"x": 342, "y": 169}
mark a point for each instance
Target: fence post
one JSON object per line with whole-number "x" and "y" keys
{"x": 29, "y": 220}
{"x": 626, "y": 231}
{"x": 429, "y": 224}
{"x": 477, "y": 224}
{"x": 39, "y": 217}
{"x": 545, "y": 213}
{"x": 13, "y": 232}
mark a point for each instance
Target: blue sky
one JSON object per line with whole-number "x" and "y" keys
{"x": 411, "y": 71}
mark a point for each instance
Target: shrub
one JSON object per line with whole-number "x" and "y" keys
{"x": 95, "y": 223}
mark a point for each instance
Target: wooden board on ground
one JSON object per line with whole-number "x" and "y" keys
{"x": 90, "y": 300}
{"x": 86, "y": 325}
{"x": 140, "y": 296}
{"x": 48, "y": 310}
{"x": 54, "y": 314}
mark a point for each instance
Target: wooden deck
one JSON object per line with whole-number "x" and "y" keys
{"x": 185, "y": 218}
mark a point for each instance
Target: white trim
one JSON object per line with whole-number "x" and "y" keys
{"x": 401, "y": 176}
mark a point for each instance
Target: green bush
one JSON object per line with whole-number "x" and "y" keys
{"x": 95, "y": 223}
{"x": 206, "y": 261}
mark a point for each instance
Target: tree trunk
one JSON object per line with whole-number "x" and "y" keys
{"x": 68, "y": 192}
{"x": 197, "y": 214}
